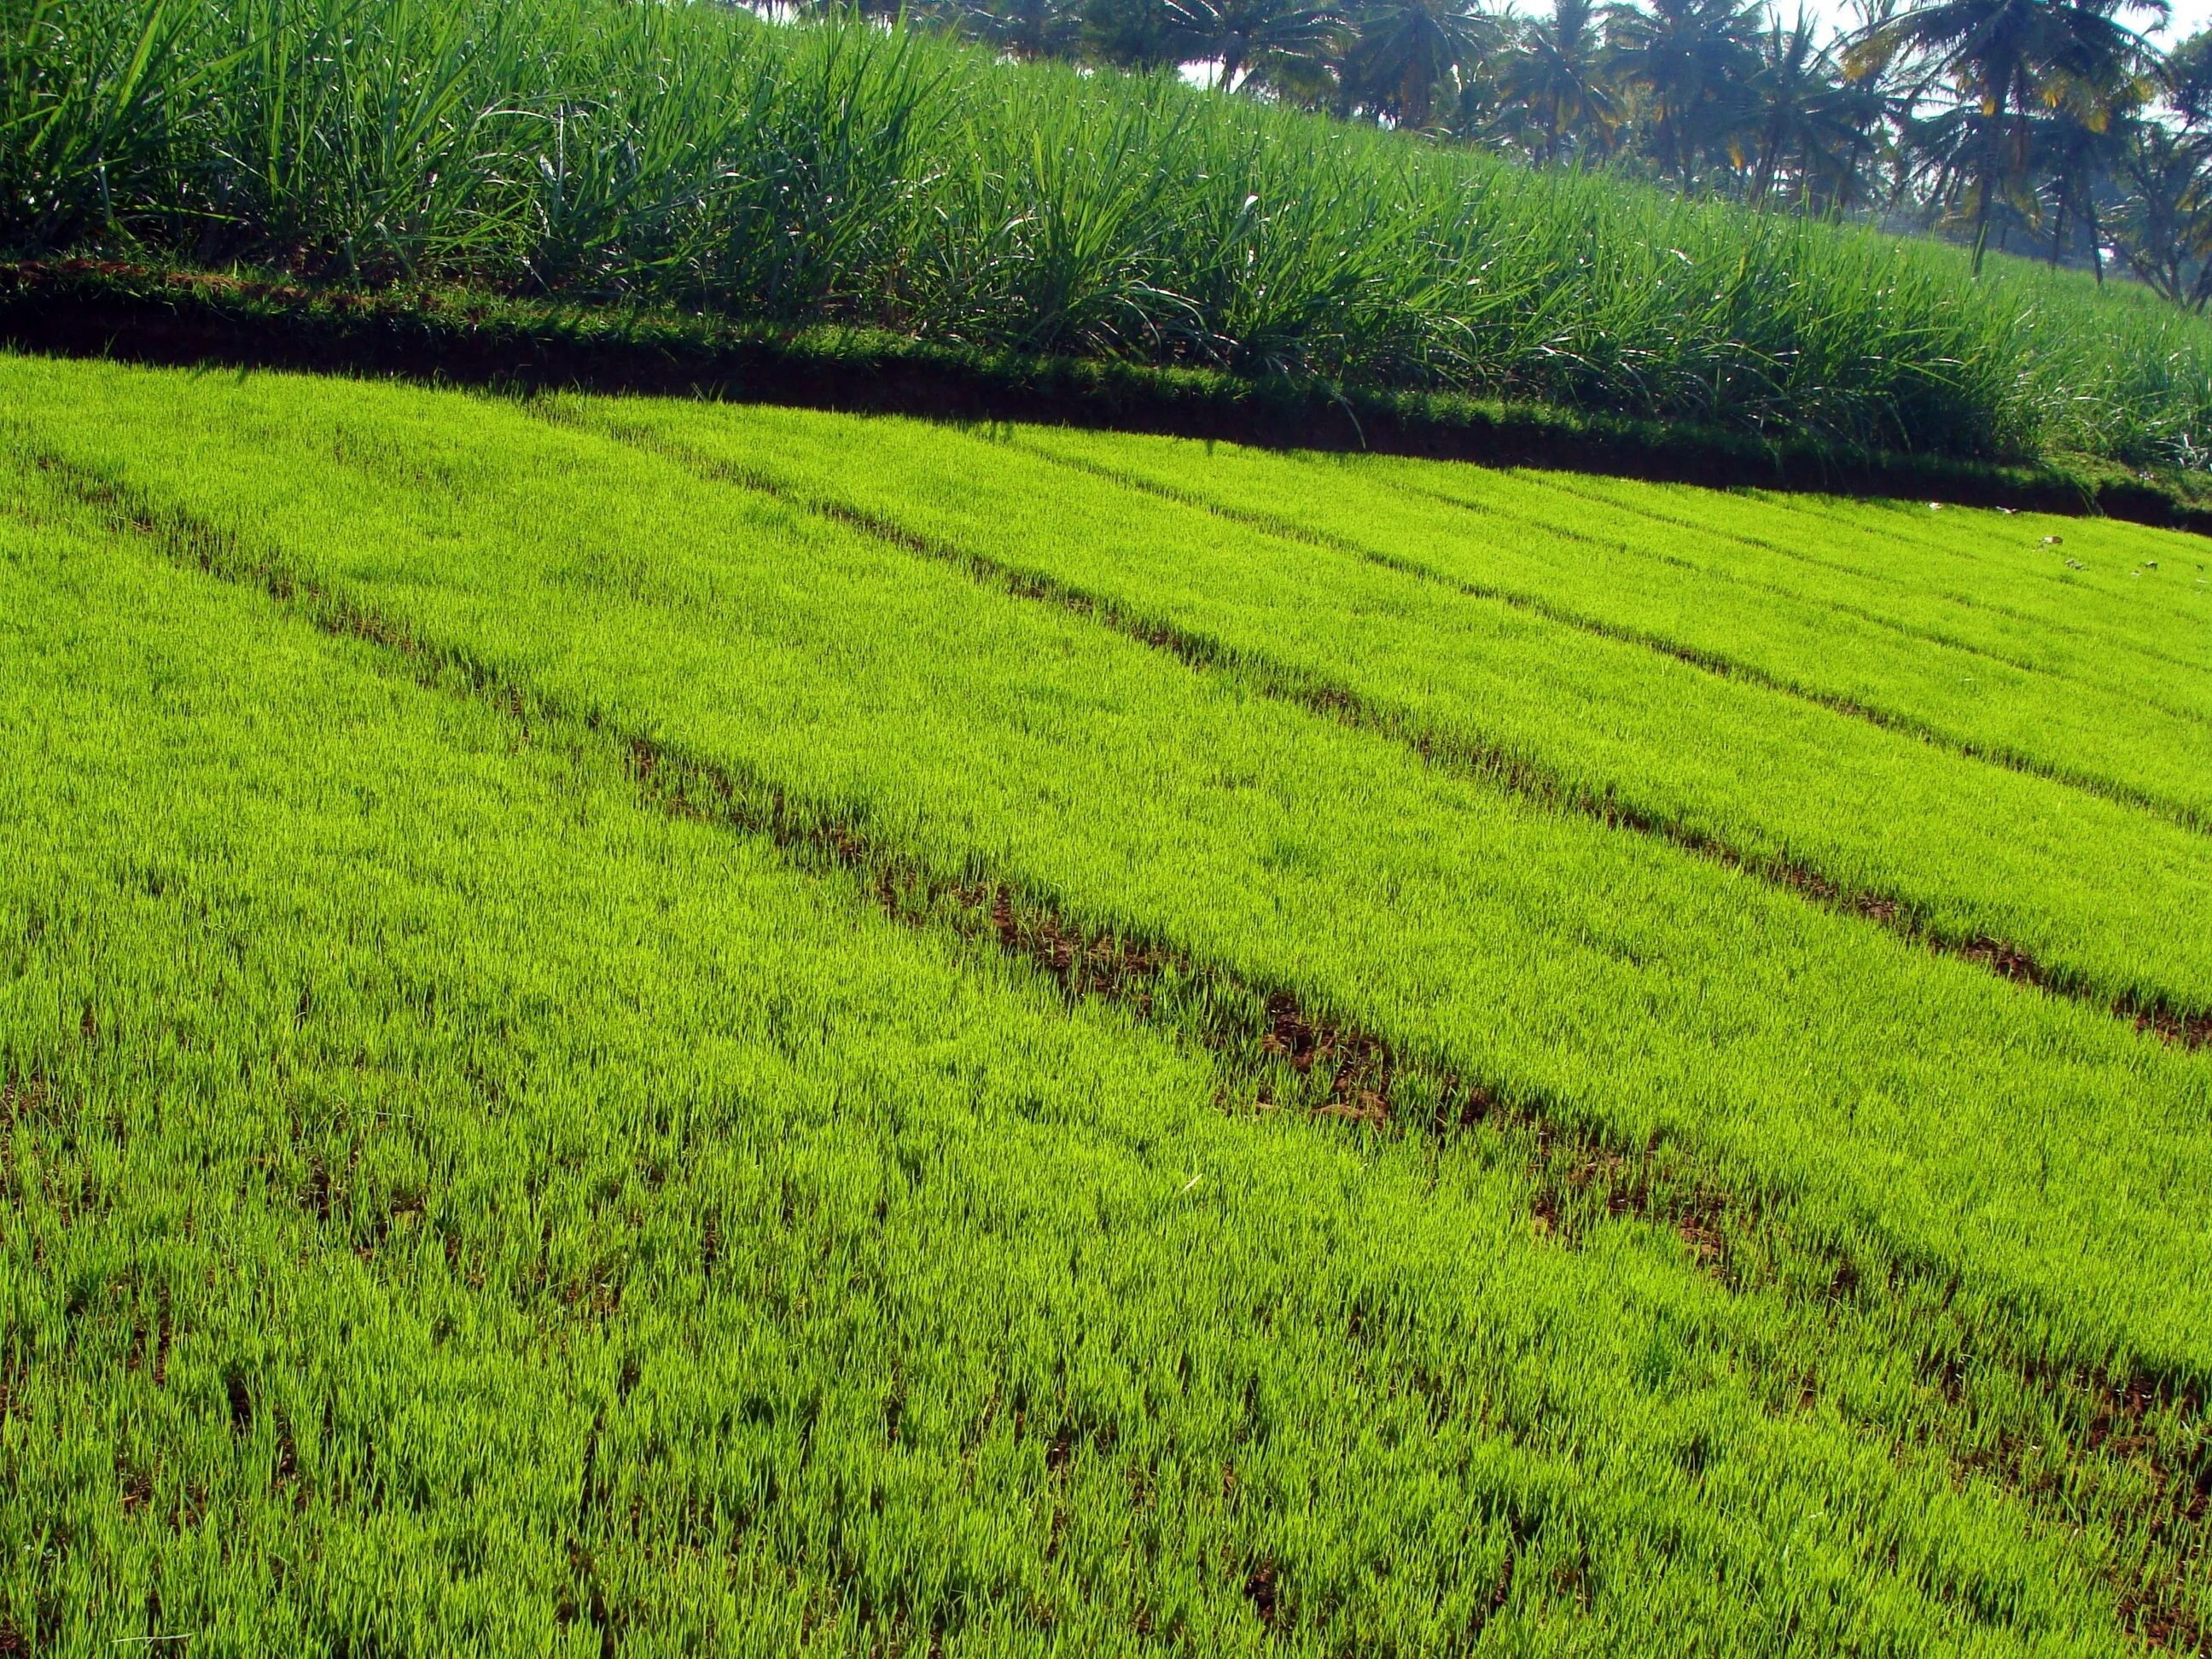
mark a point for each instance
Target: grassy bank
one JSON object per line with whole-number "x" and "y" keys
{"x": 694, "y": 157}
{"x": 458, "y": 336}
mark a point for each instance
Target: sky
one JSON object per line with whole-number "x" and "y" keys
{"x": 2189, "y": 16}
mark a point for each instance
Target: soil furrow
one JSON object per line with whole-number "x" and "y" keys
{"x": 1277, "y": 1052}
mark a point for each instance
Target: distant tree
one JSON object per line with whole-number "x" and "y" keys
{"x": 1027, "y": 29}
{"x": 1309, "y": 79}
{"x": 1131, "y": 34}
{"x": 1235, "y": 34}
{"x": 2186, "y": 78}
{"x": 2162, "y": 224}
{"x": 1404, "y": 51}
{"x": 2008, "y": 64}
{"x": 2081, "y": 140}
{"x": 1557, "y": 74}
{"x": 1690, "y": 62}
{"x": 1815, "y": 125}
{"x": 1791, "y": 89}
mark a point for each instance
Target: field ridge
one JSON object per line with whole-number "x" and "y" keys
{"x": 180, "y": 317}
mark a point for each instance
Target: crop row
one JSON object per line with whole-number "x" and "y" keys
{"x": 2107, "y": 716}
{"x": 449, "y": 1204}
{"x": 2039, "y": 1150}
{"x": 2048, "y": 593}
{"x": 1984, "y": 859}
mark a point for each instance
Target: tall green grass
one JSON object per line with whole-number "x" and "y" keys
{"x": 693, "y": 155}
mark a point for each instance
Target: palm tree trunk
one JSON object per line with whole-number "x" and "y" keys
{"x": 1769, "y": 152}
{"x": 1982, "y": 222}
{"x": 1843, "y": 202}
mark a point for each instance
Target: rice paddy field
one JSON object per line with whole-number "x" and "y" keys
{"x": 638, "y": 1027}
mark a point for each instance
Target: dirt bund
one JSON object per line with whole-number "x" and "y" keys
{"x": 107, "y": 309}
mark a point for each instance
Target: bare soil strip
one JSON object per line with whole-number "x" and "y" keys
{"x": 1276, "y": 1052}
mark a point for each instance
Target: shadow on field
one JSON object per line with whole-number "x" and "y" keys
{"x": 82, "y": 308}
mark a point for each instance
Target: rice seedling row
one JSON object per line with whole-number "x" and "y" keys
{"x": 681, "y": 790}
{"x": 1489, "y": 537}
{"x": 1926, "y": 682}
{"x": 1467, "y": 753}
{"x": 2097, "y": 573}
{"x": 1813, "y": 550}
{"x": 1014, "y": 727}
{"x": 622, "y": 1542}
{"x": 2020, "y": 593}
{"x": 1811, "y": 804}
{"x": 2113, "y": 674}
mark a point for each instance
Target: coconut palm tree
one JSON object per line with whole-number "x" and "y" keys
{"x": 1405, "y": 49}
{"x": 1027, "y": 29}
{"x": 2080, "y": 142}
{"x": 2006, "y": 61}
{"x": 1130, "y": 35}
{"x": 1557, "y": 75}
{"x": 1237, "y": 34}
{"x": 1812, "y": 120}
{"x": 2185, "y": 76}
{"x": 2163, "y": 224}
{"x": 1692, "y": 61}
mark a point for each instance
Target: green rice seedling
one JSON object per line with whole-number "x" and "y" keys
{"x": 2035, "y": 1158}
{"x": 455, "y": 1203}
{"x": 1970, "y": 852}
{"x": 2006, "y": 585}
{"x": 1957, "y": 626}
{"x": 2069, "y": 575}
{"x": 1568, "y": 549}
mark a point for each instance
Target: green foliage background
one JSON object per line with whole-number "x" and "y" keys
{"x": 857, "y": 171}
